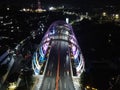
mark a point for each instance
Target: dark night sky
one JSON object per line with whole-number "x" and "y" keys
{"x": 74, "y": 3}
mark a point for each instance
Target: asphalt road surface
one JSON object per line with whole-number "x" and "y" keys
{"x": 58, "y": 75}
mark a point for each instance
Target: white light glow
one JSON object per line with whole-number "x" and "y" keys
{"x": 52, "y": 8}
{"x": 67, "y": 20}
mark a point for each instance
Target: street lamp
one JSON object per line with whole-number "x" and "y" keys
{"x": 104, "y": 14}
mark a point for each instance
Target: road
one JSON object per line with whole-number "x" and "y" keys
{"x": 58, "y": 76}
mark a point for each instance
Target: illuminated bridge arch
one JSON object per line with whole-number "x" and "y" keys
{"x": 59, "y": 30}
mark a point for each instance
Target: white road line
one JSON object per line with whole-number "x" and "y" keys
{"x": 49, "y": 85}
{"x": 60, "y": 84}
{"x": 65, "y": 85}
{"x": 67, "y": 72}
{"x": 50, "y": 73}
{"x": 53, "y": 83}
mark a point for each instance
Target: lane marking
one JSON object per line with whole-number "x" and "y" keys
{"x": 50, "y": 73}
{"x": 60, "y": 84}
{"x": 68, "y": 73}
{"x": 64, "y": 85}
{"x": 49, "y": 85}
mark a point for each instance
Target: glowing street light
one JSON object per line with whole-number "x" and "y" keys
{"x": 67, "y": 20}
{"x": 52, "y": 8}
{"x": 104, "y": 14}
{"x": 117, "y": 16}
{"x": 8, "y": 9}
{"x": 88, "y": 87}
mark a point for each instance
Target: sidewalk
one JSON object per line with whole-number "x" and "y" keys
{"x": 38, "y": 82}
{"x": 76, "y": 82}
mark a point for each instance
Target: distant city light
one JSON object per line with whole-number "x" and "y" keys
{"x": 67, "y": 20}
{"x": 109, "y": 35}
{"x": 12, "y": 27}
{"x": 86, "y": 13}
{"x": 42, "y": 29}
{"x": 1, "y": 17}
{"x": 4, "y": 24}
{"x": 1, "y": 21}
{"x": 104, "y": 14}
{"x": 117, "y": 16}
{"x": 18, "y": 27}
{"x": 6, "y": 16}
{"x": 109, "y": 40}
{"x": 12, "y": 30}
{"x": 32, "y": 10}
{"x": 52, "y": 8}
{"x": 94, "y": 89}
{"x": 8, "y": 9}
{"x": 88, "y": 87}
{"x": 24, "y": 9}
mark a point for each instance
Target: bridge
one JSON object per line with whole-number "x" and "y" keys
{"x": 58, "y": 61}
